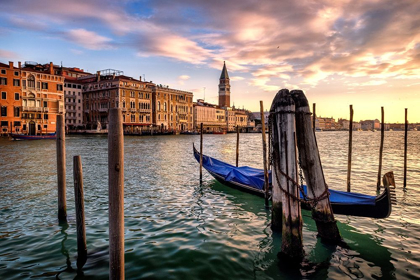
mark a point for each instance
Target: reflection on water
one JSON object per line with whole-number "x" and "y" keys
{"x": 176, "y": 228}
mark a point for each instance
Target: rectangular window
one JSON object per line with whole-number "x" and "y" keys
{"x": 38, "y": 85}
{"x": 16, "y": 96}
{"x": 45, "y": 104}
{"x": 17, "y": 111}
{"x": 24, "y": 84}
{"x": 59, "y": 87}
{"x": 4, "y": 123}
{"x": 24, "y": 127}
{"x": 3, "y": 71}
{"x": 4, "y": 111}
{"x": 16, "y": 73}
{"x": 45, "y": 116}
{"x": 16, "y": 123}
{"x": 16, "y": 82}
{"x": 3, "y": 95}
{"x": 3, "y": 81}
{"x": 44, "y": 85}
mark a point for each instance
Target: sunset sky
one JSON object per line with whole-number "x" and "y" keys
{"x": 364, "y": 53}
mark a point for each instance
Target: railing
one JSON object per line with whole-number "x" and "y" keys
{"x": 103, "y": 109}
{"x": 70, "y": 103}
{"x": 31, "y": 109}
{"x": 71, "y": 111}
{"x": 144, "y": 110}
{"x": 133, "y": 110}
{"x": 46, "y": 109}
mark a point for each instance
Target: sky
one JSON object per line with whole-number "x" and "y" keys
{"x": 339, "y": 52}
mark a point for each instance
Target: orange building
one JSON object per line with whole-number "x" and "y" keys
{"x": 173, "y": 109}
{"x": 10, "y": 99}
{"x": 42, "y": 98}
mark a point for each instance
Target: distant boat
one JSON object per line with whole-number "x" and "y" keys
{"x": 251, "y": 180}
{"x": 16, "y": 136}
{"x": 318, "y": 129}
{"x": 190, "y": 132}
{"x": 219, "y": 132}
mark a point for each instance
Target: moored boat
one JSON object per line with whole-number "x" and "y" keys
{"x": 16, "y": 136}
{"x": 251, "y": 180}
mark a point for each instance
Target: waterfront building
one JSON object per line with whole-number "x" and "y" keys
{"x": 212, "y": 117}
{"x": 172, "y": 109}
{"x": 10, "y": 100}
{"x": 73, "y": 95}
{"x": 326, "y": 123}
{"x": 111, "y": 89}
{"x": 42, "y": 98}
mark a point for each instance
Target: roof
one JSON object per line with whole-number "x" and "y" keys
{"x": 224, "y": 74}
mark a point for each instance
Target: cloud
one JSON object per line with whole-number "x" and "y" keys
{"x": 274, "y": 41}
{"x": 88, "y": 39}
{"x": 236, "y": 78}
{"x": 183, "y": 78}
{"x": 8, "y": 54}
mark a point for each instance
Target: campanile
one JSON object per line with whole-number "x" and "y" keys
{"x": 224, "y": 88}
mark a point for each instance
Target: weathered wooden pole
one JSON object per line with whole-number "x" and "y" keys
{"x": 266, "y": 181}
{"x": 350, "y": 149}
{"x": 311, "y": 165}
{"x": 405, "y": 148}
{"x": 237, "y": 145}
{"x": 80, "y": 212}
{"x": 314, "y": 116}
{"x": 201, "y": 153}
{"x": 61, "y": 168}
{"x": 286, "y": 204}
{"x": 116, "y": 194}
{"x": 381, "y": 148}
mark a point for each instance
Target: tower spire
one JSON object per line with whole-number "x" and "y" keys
{"x": 224, "y": 87}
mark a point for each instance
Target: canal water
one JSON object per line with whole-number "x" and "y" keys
{"x": 176, "y": 228}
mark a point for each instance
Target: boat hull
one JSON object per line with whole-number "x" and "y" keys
{"x": 32, "y": 137}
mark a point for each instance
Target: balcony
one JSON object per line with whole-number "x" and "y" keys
{"x": 46, "y": 109}
{"x": 124, "y": 109}
{"x": 70, "y": 103}
{"x": 144, "y": 110}
{"x": 103, "y": 109}
{"x": 31, "y": 109}
{"x": 71, "y": 111}
{"x": 133, "y": 110}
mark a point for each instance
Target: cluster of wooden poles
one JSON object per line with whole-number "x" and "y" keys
{"x": 115, "y": 188}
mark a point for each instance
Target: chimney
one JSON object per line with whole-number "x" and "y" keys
{"x": 20, "y": 65}
{"x": 98, "y": 76}
{"x": 51, "y": 68}
{"x": 11, "y": 64}
{"x": 140, "y": 79}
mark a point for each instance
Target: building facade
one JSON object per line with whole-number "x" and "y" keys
{"x": 10, "y": 100}
{"x": 110, "y": 89}
{"x": 42, "y": 98}
{"x": 173, "y": 109}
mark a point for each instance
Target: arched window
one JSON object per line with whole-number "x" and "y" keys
{"x": 158, "y": 105}
{"x": 164, "y": 106}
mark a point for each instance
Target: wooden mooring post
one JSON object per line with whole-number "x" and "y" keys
{"x": 286, "y": 214}
{"x": 201, "y": 153}
{"x": 381, "y": 149}
{"x": 405, "y": 148}
{"x": 80, "y": 212}
{"x": 264, "y": 142}
{"x": 116, "y": 194}
{"x": 314, "y": 117}
{"x": 237, "y": 145}
{"x": 61, "y": 168}
{"x": 350, "y": 149}
{"x": 311, "y": 165}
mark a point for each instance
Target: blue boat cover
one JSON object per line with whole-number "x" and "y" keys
{"x": 254, "y": 178}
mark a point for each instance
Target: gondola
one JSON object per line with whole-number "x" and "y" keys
{"x": 251, "y": 180}
{"x": 16, "y": 136}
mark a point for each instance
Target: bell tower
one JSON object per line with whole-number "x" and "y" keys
{"x": 224, "y": 88}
